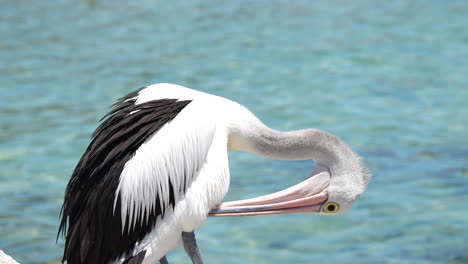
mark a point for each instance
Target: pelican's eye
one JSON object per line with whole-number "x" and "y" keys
{"x": 331, "y": 207}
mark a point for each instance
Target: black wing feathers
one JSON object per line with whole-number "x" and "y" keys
{"x": 94, "y": 234}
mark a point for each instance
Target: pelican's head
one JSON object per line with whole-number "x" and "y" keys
{"x": 322, "y": 192}
{"x": 345, "y": 188}
{"x": 336, "y": 182}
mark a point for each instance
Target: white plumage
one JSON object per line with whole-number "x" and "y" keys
{"x": 193, "y": 144}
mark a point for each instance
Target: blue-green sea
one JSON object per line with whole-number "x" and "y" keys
{"x": 389, "y": 77}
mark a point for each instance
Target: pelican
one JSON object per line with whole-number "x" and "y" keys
{"x": 157, "y": 167}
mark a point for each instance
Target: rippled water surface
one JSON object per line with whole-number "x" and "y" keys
{"x": 389, "y": 77}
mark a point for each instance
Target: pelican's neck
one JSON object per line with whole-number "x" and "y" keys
{"x": 348, "y": 176}
{"x": 248, "y": 133}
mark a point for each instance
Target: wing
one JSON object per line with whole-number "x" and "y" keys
{"x": 140, "y": 161}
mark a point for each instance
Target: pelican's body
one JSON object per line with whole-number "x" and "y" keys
{"x": 136, "y": 195}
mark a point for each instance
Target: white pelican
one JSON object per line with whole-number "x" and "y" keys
{"x": 157, "y": 166}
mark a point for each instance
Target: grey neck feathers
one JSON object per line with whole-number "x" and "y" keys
{"x": 253, "y": 136}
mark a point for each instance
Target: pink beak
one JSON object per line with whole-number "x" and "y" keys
{"x": 307, "y": 196}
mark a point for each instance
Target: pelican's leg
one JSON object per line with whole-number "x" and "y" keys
{"x": 190, "y": 246}
{"x": 163, "y": 260}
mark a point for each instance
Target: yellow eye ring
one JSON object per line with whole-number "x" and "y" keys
{"x": 331, "y": 207}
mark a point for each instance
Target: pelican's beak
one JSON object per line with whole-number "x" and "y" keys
{"x": 305, "y": 197}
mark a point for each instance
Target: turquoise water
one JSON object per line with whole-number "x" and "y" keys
{"x": 389, "y": 77}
